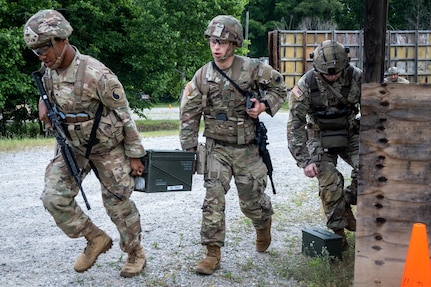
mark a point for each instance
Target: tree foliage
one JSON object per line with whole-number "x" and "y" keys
{"x": 154, "y": 46}
{"x": 269, "y": 15}
{"x": 409, "y": 15}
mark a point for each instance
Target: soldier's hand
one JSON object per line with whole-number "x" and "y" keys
{"x": 311, "y": 170}
{"x": 43, "y": 114}
{"x": 257, "y": 109}
{"x": 137, "y": 166}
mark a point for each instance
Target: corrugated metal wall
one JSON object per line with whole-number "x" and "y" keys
{"x": 410, "y": 51}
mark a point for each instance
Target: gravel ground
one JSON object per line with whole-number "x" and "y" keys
{"x": 34, "y": 252}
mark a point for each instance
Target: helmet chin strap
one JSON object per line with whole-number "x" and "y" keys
{"x": 59, "y": 59}
{"x": 229, "y": 53}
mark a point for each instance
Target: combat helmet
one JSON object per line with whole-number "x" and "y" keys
{"x": 392, "y": 71}
{"x": 225, "y": 27}
{"x": 44, "y": 26}
{"x": 330, "y": 57}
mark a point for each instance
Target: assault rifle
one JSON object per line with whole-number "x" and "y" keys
{"x": 55, "y": 118}
{"x": 261, "y": 131}
{"x": 262, "y": 142}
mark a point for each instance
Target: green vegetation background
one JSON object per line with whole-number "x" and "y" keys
{"x": 155, "y": 46}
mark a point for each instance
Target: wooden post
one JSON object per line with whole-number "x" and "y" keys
{"x": 394, "y": 187}
{"x": 394, "y": 164}
{"x": 374, "y": 40}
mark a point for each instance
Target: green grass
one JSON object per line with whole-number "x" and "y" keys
{"x": 157, "y": 125}
{"x": 322, "y": 271}
{"x": 147, "y": 128}
{"x": 7, "y": 145}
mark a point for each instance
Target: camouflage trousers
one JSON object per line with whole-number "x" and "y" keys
{"x": 331, "y": 184}
{"x": 250, "y": 175}
{"x": 117, "y": 185}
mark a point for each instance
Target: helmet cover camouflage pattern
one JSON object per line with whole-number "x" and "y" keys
{"x": 44, "y": 26}
{"x": 225, "y": 27}
{"x": 392, "y": 71}
{"x": 330, "y": 57}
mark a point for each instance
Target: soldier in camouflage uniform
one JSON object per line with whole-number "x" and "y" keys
{"x": 77, "y": 91}
{"x": 393, "y": 77}
{"x": 230, "y": 135}
{"x": 323, "y": 125}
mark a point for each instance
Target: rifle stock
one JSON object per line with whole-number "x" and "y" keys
{"x": 56, "y": 118}
{"x": 262, "y": 142}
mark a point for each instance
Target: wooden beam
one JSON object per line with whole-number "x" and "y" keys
{"x": 374, "y": 40}
{"x": 394, "y": 189}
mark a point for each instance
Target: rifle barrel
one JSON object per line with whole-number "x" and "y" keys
{"x": 66, "y": 151}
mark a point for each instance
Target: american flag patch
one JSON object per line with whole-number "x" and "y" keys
{"x": 297, "y": 92}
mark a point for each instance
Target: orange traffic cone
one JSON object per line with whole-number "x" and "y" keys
{"x": 417, "y": 269}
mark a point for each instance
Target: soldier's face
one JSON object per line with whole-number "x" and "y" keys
{"x": 393, "y": 77}
{"x": 219, "y": 48}
{"x": 48, "y": 54}
{"x": 43, "y": 49}
{"x": 332, "y": 78}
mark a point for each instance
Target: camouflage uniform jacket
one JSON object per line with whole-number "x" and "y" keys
{"x": 400, "y": 80}
{"x": 302, "y": 120}
{"x": 223, "y": 106}
{"x": 99, "y": 85}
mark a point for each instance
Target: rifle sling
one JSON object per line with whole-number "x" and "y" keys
{"x": 235, "y": 71}
{"x": 245, "y": 95}
{"x": 229, "y": 79}
{"x": 91, "y": 140}
{"x": 93, "y": 130}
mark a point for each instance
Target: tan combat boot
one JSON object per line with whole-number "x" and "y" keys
{"x": 351, "y": 221}
{"x": 344, "y": 244}
{"x": 98, "y": 242}
{"x": 135, "y": 263}
{"x": 263, "y": 237}
{"x": 211, "y": 263}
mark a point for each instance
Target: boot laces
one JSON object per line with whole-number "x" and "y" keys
{"x": 88, "y": 249}
{"x": 132, "y": 257}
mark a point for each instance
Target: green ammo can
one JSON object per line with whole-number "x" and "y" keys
{"x": 316, "y": 240}
{"x": 167, "y": 170}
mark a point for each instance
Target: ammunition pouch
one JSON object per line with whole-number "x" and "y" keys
{"x": 212, "y": 164}
{"x": 201, "y": 158}
{"x": 213, "y": 167}
{"x": 332, "y": 120}
{"x": 76, "y": 118}
{"x": 109, "y": 132}
{"x": 334, "y": 140}
{"x": 78, "y": 133}
{"x": 333, "y": 125}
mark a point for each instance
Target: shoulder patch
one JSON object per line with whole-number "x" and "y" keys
{"x": 296, "y": 91}
{"x": 188, "y": 89}
{"x": 115, "y": 96}
{"x": 117, "y": 91}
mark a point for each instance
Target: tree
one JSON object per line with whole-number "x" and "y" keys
{"x": 409, "y": 15}
{"x": 352, "y": 15}
{"x": 188, "y": 20}
{"x": 154, "y": 46}
{"x": 265, "y": 16}
{"x": 268, "y": 15}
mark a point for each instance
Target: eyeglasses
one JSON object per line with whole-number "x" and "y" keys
{"x": 42, "y": 50}
{"x": 214, "y": 41}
